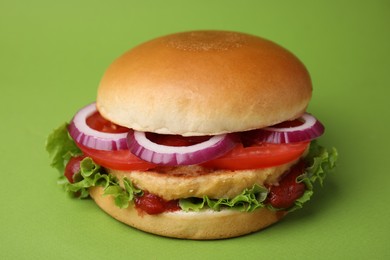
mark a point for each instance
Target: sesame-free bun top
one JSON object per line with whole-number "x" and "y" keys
{"x": 204, "y": 83}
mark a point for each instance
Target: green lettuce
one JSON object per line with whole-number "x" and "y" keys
{"x": 248, "y": 200}
{"x": 92, "y": 175}
{"x": 61, "y": 148}
{"x": 320, "y": 161}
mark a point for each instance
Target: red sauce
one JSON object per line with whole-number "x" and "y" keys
{"x": 288, "y": 190}
{"x": 73, "y": 167}
{"x": 153, "y": 204}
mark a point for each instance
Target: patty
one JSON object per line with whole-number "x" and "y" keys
{"x": 179, "y": 182}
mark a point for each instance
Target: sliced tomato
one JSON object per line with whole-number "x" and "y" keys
{"x": 176, "y": 140}
{"x": 258, "y": 156}
{"x": 240, "y": 158}
{"x": 122, "y": 160}
{"x": 99, "y": 123}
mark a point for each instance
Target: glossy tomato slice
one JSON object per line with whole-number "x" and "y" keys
{"x": 258, "y": 156}
{"x": 122, "y": 160}
{"x": 99, "y": 123}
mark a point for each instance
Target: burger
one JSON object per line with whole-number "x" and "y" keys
{"x": 196, "y": 135}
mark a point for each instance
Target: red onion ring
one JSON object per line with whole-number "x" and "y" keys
{"x": 309, "y": 130}
{"x": 198, "y": 153}
{"x": 85, "y": 135}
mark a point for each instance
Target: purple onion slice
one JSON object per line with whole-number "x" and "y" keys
{"x": 85, "y": 135}
{"x": 198, "y": 153}
{"x": 310, "y": 129}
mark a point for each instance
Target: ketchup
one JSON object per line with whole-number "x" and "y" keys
{"x": 73, "y": 167}
{"x": 288, "y": 190}
{"x": 153, "y": 204}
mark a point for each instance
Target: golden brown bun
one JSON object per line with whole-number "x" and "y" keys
{"x": 190, "y": 225}
{"x": 204, "y": 82}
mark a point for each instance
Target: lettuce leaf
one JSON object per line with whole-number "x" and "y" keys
{"x": 123, "y": 196}
{"x": 61, "y": 148}
{"x": 248, "y": 200}
{"x": 320, "y": 162}
{"x": 92, "y": 175}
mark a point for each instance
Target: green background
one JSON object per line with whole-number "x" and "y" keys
{"x": 53, "y": 54}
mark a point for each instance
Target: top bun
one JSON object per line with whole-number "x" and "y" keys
{"x": 204, "y": 83}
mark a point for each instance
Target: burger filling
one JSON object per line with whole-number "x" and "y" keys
{"x": 275, "y": 167}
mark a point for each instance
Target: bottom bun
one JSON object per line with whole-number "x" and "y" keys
{"x": 206, "y": 224}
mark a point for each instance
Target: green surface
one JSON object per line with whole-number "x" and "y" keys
{"x": 52, "y": 56}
